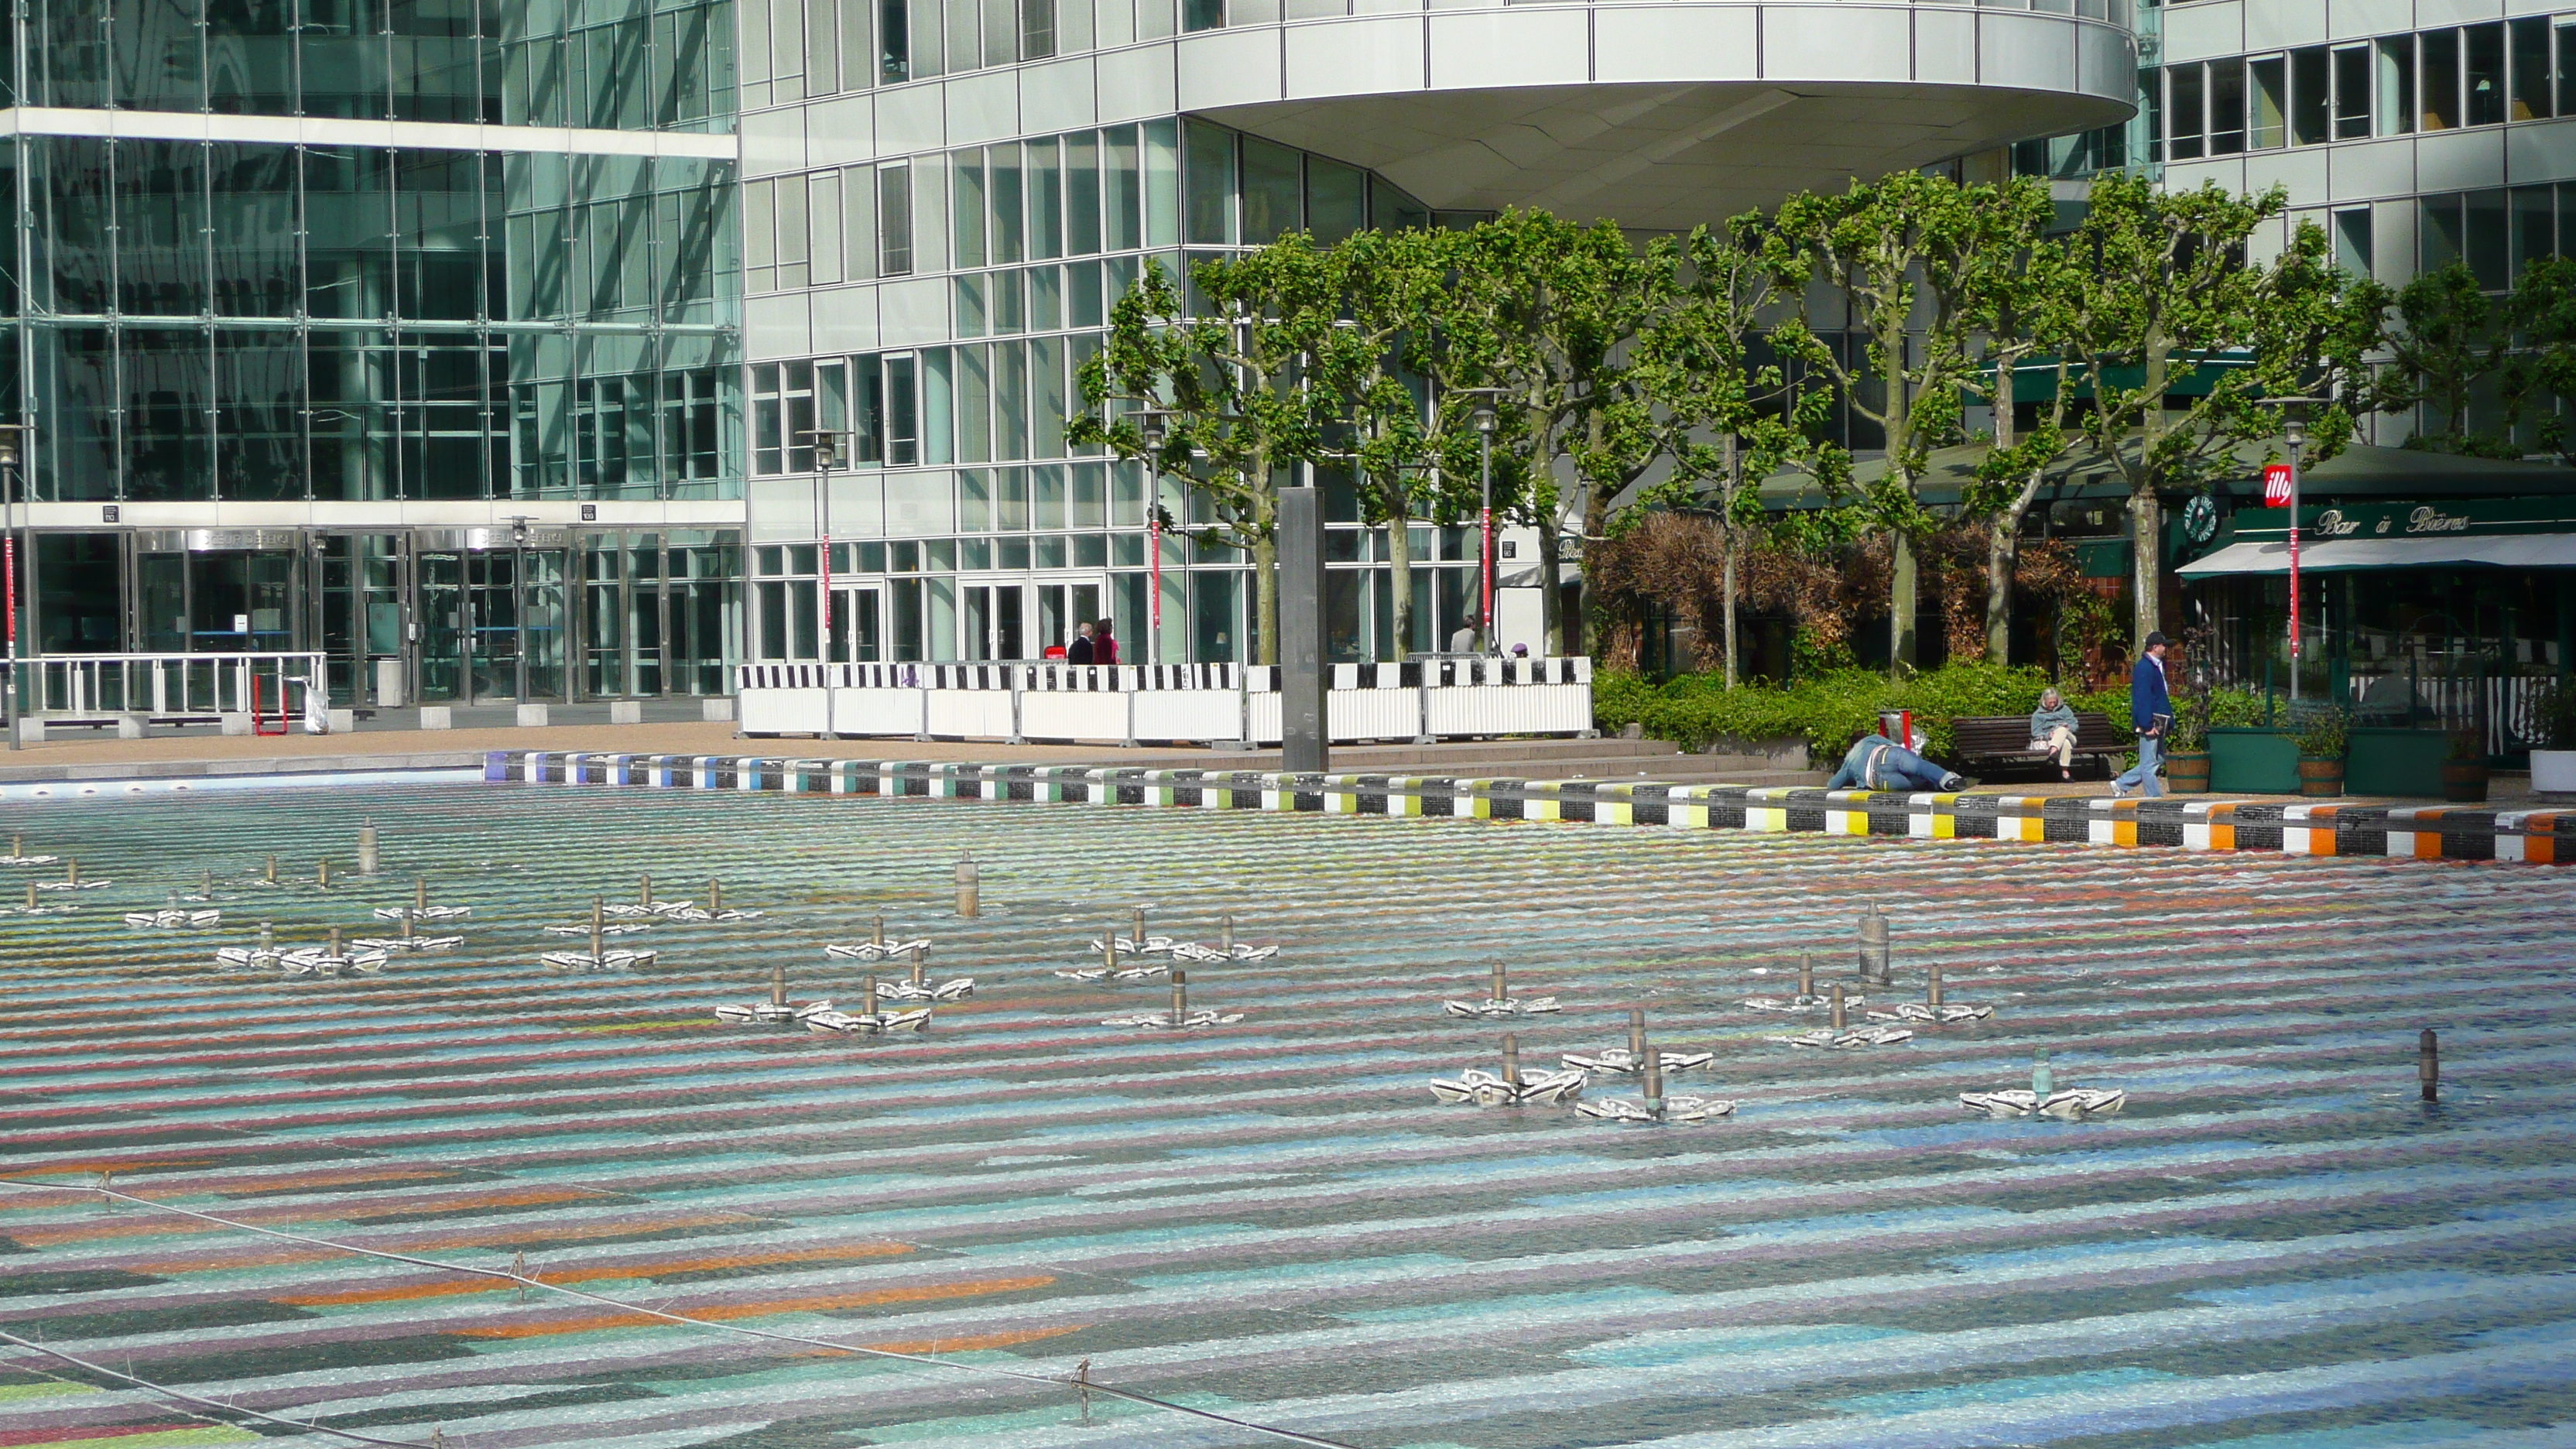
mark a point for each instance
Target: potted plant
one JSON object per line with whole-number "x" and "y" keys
{"x": 2187, "y": 739}
{"x": 2464, "y": 774}
{"x": 2553, "y": 755}
{"x": 2322, "y": 741}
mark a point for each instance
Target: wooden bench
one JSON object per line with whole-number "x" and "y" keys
{"x": 1988, "y": 740}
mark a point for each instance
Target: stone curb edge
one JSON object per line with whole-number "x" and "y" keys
{"x": 2424, "y": 833}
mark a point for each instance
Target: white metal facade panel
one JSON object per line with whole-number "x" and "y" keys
{"x": 1679, "y": 43}
{"x": 1353, "y": 57}
{"x": 1843, "y": 42}
{"x": 2034, "y": 52}
{"x": 1516, "y": 47}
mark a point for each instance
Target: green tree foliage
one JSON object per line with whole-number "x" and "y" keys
{"x": 2176, "y": 336}
{"x": 2025, "y": 315}
{"x": 1390, "y": 287}
{"x": 1721, "y": 395}
{"x": 1242, "y": 415}
{"x": 1544, "y": 309}
{"x": 1916, "y": 259}
{"x": 2540, "y": 375}
{"x": 2444, "y": 343}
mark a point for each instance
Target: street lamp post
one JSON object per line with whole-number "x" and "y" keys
{"x": 1151, "y": 426}
{"x": 830, "y": 451}
{"x": 2294, "y": 421}
{"x": 1484, "y": 420}
{"x": 11, "y": 698}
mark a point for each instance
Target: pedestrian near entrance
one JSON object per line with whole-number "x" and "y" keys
{"x": 2151, "y": 712}
{"x": 1080, "y": 650}
{"x": 2053, "y": 729}
{"x": 1463, "y": 639}
{"x": 1104, "y": 645}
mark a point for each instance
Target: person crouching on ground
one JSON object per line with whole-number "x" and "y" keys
{"x": 2053, "y": 729}
{"x": 2151, "y": 712}
{"x": 1879, "y": 763}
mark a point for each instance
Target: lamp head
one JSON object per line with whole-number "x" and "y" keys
{"x": 1149, "y": 426}
{"x": 1483, "y": 418}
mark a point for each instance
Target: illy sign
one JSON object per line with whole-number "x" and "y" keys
{"x": 2276, "y": 486}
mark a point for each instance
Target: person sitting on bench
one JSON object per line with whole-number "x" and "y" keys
{"x": 1879, "y": 763}
{"x": 2053, "y": 730}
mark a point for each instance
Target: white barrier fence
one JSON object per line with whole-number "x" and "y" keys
{"x": 1424, "y": 700}
{"x": 272, "y": 687}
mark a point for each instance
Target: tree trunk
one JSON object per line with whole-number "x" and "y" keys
{"x": 2146, "y": 523}
{"x": 1265, "y": 595}
{"x": 1904, "y": 603}
{"x": 1726, "y": 606}
{"x": 1726, "y": 549}
{"x": 2003, "y": 549}
{"x": 1399, "y": 577}
{"x": 1551, "y": 607}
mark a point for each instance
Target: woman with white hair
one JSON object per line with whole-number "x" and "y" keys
{"x": 2052, "y": 730}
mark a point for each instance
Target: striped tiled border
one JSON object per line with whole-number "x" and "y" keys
{"x": 2432, "y": 833}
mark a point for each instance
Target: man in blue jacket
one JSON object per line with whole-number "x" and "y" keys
{"x": 2151, "y": 712}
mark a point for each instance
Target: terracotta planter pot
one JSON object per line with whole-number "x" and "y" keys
{"x": 2464, "y": 782}
{"x": 2187, "y": 774}
{"x": 2320, "y": 777}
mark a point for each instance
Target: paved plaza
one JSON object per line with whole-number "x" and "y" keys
{"x": 2276, "y": 1245}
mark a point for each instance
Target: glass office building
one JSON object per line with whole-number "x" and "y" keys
{"x": 405, "y": 330}
{"x": 477, "y": 344}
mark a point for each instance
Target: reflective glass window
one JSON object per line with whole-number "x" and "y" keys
{"x": 2531, "y": 62}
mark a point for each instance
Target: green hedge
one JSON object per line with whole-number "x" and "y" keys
{"x": 1830, "y": 710}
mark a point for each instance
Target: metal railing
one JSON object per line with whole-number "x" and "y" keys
{"x": 271, "y": 685}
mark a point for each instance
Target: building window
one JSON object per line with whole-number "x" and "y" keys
{"x": 2271, "y": 97}
{"x": 2440, "y": 60}
{"x": 2397, "y": 85}
{"x": 1202, "y": 14}
{"x": 2352, "y": 240}
{"x": 2352, "y": 92}
{"x": 2226, "y": 107}
{"x": 2150, "y": 86}
{"x": 894, "y": 221}
{"x": 2484, "y": 50}
{"x": 966, "y": 217}
{"x": 2531, "y": 58}
{"x": 2311, "y": 96}
{"x": 894, "y": 34}
{"x": 2535, "y": 224}
{"x": 2567, "y": 70}
{"x": 782, "y": 418}
{"x": 2186, "y": 113}
{"x": 1037, "y": 29}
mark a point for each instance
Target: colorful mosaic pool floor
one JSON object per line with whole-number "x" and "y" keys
{"x": 2276, "y": 1245}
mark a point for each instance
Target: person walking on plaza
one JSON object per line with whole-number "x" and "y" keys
{"x": 2053, "y": 729}
{"x": 2151, "y": 712}
{"x": 1104, "y": 645}
{"x": 1080, "y": 650}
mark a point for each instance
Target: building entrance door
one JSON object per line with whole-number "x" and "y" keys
{"x": 443, "y": 627}
{"x": 359, "y": 613}
{"x": 992, "y": 621}
{"x": 858, "y": 624}
{"x": 1063, "y": 606}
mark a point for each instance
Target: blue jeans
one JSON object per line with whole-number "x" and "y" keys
{"x": 1898, "y": 767}
{"x": 2143, "y": 777}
